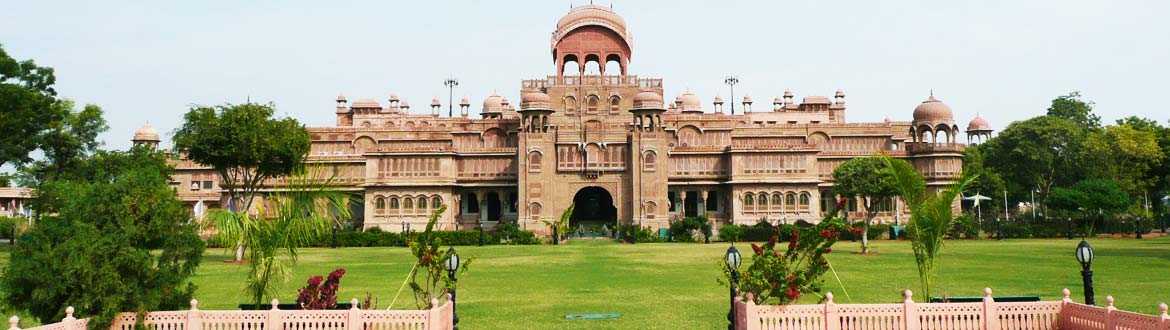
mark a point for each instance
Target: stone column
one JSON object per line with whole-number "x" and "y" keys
{"x": 482, "y": 196}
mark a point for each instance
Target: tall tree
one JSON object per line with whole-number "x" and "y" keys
{"x": 113, "y": 238}
{"x": 1073, "y": 108}
{"x": 246, "y": 146}
{"x": 1125, "y": 155}
{"x": 867, "y": 178}
{"x": 1098, "y": 199}
{"x": 1038, "y": 153}
{"x": 27, "y": 110}
{"x": 67, "y": 142}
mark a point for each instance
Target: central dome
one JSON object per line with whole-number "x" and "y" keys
{"x": 933, "y": 111}
{"x": 590, "y": 19}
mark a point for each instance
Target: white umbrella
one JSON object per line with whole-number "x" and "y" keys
{"x": 199, "y": 208}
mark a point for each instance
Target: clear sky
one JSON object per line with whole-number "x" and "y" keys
{"x": 1005, "y": 59}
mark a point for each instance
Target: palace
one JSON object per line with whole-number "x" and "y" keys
{"x": 607, "y": 143}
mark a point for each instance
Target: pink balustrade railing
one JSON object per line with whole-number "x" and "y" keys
{"x": 908, "y": 315}
{"x": 436, "y": 318}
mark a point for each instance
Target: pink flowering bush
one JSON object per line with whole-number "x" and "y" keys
{"x": 320, "y": 293}
{"x": 780, "y": 274}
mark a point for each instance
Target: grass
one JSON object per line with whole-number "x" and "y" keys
{"x": 674, "y": 285}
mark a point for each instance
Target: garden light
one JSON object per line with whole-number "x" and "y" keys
{"x": 733, "y": 260}
{"x": 1085, "y": 257}
{"x": 452, "y": 266}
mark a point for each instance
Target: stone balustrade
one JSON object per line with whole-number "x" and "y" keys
{"x": 909, "y": 315}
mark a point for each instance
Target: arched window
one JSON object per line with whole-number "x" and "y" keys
{"x": 804, "y": 201}
{"x": 748, "y": 202}
{"x": 436, "y": 202}
{"x": 791, "y": 201}
{"x": 651, "y": 208}
{"x": 534, "y": 209}
{"x": 407, "y": 204}
{"x": 764, "y": 201}
{"x": 534, "y": 159}
{"x": 380, "y": 204}
{"x": 570, "y": 104}
{"x": 776, "y": 201}
{"x": 394, "y": 203}
{"x": 591, "y": 104}
{"x": 649, "y": 158}
{"x": 422, "y": 203}
{"x": 614, "y": 102}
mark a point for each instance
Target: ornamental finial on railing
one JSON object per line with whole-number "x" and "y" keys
{"x": 275, "y": 302}
{"x": 69, "y": 314}
{"x": 353, "y": 303}
{"x": 1109, "y": 300}
{"x": 194, "y": 305}
{"x": 14, "y": 323}
{"x": 908, "y": 295}
{"x": 987, "y": 292}
{"x": 828, "y": 297}
{"x": 1066, "y": 294}
{"x": 1162, "y": 308}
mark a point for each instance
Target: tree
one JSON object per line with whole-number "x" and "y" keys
{"x": 113, "y": 237}
{"x": 297, "y": 216}
{"x": 1158, "y": 176}
{"x": 987, "y": 181}
{"x": 1038, "y": 153}
{"x": 931, "y": 216}
{"x": 27, "y": 110}
{"x": 246, "y": 146}
{"x": 1071, "y": 107}
{"x": 1100, "y": 197}
{"x": 867, "y": 178}
{"x": 1126, "y": 155}
{"x": 67, "y": 142}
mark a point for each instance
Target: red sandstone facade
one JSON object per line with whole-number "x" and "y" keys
{"x": 609, "y": 144}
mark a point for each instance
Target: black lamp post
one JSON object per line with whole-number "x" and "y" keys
{"x": 450, "y": 83}
{"x": 452, "y": 266}
{"x": 1085, "y": 257}
{"x": 731, "y": 80}
{"x": 733, "y": 260}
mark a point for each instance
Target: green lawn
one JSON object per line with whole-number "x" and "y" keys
{"x": 674, "y": 285}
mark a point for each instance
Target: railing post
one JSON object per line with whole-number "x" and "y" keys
{"x": 832, "y": 320}
{"x": 910, "y": 312}
{"x": 14, "y": 323}
{"x": 1164, "y": 320}
{"x": 990, "y": 312}
{"x": 354, "y": 321}
{"x": 746, "y": 315}
{"x": 275, "y": 316}
{"x": 434, "y": 318}
{"x": 1110, "y": 316}
{"x": 69, "y": 321}
{"x": 194, "y": 317}
{"x": 1062, "y": 316}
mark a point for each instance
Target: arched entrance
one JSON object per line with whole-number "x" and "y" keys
{"x": 593, "y": 206}
{"x": 493, "y": 206}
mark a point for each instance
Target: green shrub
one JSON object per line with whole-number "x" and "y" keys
{"x": 681, "y": 231}
{"x": 730, "y": 233}
{"x": 633, "y": 233}
{"x": 510, "y": 233}
{"x": 964, "y": 226}
{"x": 9, "y": 225}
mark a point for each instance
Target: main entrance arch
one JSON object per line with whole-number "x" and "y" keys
{"x": 593, "y": 206}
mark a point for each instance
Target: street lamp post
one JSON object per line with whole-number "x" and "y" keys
{"x": 731, "y": 80}
{"x": 452, "y": 266}
{"x": 1085, "y": 257}
{"x": 733, "y": 260}
{"x": 450, "y": 83}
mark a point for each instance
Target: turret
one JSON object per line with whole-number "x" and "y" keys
{"x": 747, "y": 104}
{"x": 435, "y": 106}
{"x": 146, "y": 136}
{"x": 648, "y": 111}
{"x": 535, "y": 109}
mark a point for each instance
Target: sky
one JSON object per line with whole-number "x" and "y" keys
{"x": 150, "y": 61}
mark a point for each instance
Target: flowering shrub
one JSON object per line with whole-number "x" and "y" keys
{"x": 776, "y": 276}
{"x": 321, "y": 293}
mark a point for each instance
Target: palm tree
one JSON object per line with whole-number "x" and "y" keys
{"x": 297, "y": 216}
{"x": 930, "y": 216}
